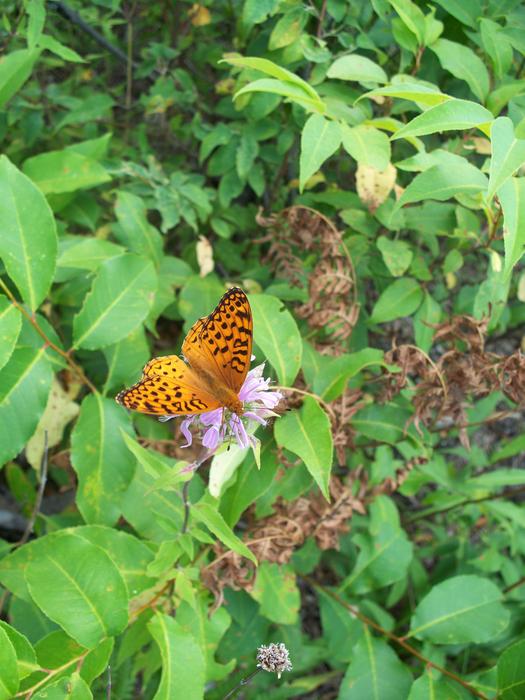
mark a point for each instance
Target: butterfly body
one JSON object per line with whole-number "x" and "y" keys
{"x": 217, "y": 351}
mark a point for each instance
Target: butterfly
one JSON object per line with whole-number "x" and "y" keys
{"x": 217, "y": 353}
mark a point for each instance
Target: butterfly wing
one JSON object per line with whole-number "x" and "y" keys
{"x": 221, "y": 343}
{"x": 168, "y": 387}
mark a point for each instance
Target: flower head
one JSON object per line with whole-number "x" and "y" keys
{"x": 220, "y": 424}
{"x": 274, "y": 658}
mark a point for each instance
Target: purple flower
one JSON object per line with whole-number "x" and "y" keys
{"x": 220, "y": 424}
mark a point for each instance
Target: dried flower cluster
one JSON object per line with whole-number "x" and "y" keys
{"x": 274, "y": 658}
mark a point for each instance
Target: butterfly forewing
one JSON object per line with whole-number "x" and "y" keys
{"x": 168, "y": 387}
{"x": 221, "y": 344}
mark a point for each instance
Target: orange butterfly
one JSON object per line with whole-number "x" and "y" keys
{"x": 217, "y": 351}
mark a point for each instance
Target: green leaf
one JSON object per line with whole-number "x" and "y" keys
{"x": 135, "y": 232}
{"x": 25, "y": 654}
{"x": 64, "y": 171}
{"x": 375, "y": 672}
{"x": 288, "y": 28}
{"x": 460, "y": 610}
{"x": 125, "y": 360}
{"x": 198, "y": 298}
{"x": 412, "y": 17}
{"x": 86, "y": 253}
{"x": 28, "y": 244}
{"x": 246, "y": 154}
{"x": 446, "y": 116}
{"x": 429, "y": 688}
{"x": 512, "y": 199}
{"x": 275, "y": 589}
{"x": 357, "y": 68}
{"x": 421, "y": 93}
{"x": 183, "y": 664}
{"x": 10, "y": 325}
{"x": 333, "y": 376}
{"x": 442, "y": 182}
{"x": 397, "y": 255}
{"x": 496, "y": 45}
{"x": 399, "y": 299}
{"x": 386, "y": 423}
{"x": 508, "y": 154}
{"x": 15, "y": 69}
{"x": 307, "y": 434}
{"x": 72, "y": 687}
{"x": 51, "y": 44}
{"x": 25, "y": 382}
{"x": 320, "y": 139}
{"x": 276, "y": 333}
{"x": 208, "y": 515}
{"x": 37, "y": 17}
{"x": 429, "y": 313}
{"x": 464, "y": 64}
{"x": 366, "y": 145}
{"x": 511, "y": 672}
{"x": 64, "y": 571}
{"x": 99, "y": 456}
{"x": 9, "y": 678}
{"x": 121, "y": 296}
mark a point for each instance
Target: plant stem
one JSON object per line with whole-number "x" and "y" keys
{"x": 242, "y": 682}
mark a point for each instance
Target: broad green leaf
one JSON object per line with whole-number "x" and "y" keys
{"x": 508, "y": 154}
{"x": 28, "y": 244}
{"x": 223, "y": 466}
{"x": 125, "y": 360}
{"x": 25, "y": 382}
{"x": 276, "y": 333}
{"x": 15, "y": 69}
{"x": 397, "y": 255}
{"x": 99, "y": 455}
{"x": 496, "y": 45}
{"x": 512, "y": 198}
{"x": 35, "y": 25}
{"x": 386, "y": 423}
{"x": 412, "y": 17}
{"x": 288, "y": 90}
{"x": 375, "y": 672}
{"x": 341, "y": 631}
{"x": 86, "y": 253}
{"x": 288, "y": 28}
{"x": 464, "y": 64}
{"x": 442, "y": 182}
{"x": 9, "y": 678}
{"x": 427, "y": 687}
{"x": 467, "y": 12}
{"x": 357, "y": 68}
{"x": 499, "y": 478}
{"x": 511, "y": 672}
{"x": 428, "y": 314}
{"x": 208, "y": 515}
{"x": 366, "y": 145}
{"x": 10, "y": 325}
{"x": 460, "y": 610}
{"x": 72, "y": 687}
{"x": 51, "y": 44}
{"x": 25, "y": 654}
{"x": 423, "y": 94}
{"x": 135, "y": 231}
{"x": 64, "y": 171}
{"x": 401, "y": 298}
{"x": 57, "y": 650}
{"x": 198, "y": 297}
{"x": 332, "y": 378}
{"x": 307, "y": 434}
{"x": 320, "y": 139}
{"x": 275, "y": 589}
{"x": 74, "y": 570}
{"x": 120, "y": 298}
{"x": 183, "y": 664}
{"x": 246, "y": 154}
{"x": 446, "y": 116}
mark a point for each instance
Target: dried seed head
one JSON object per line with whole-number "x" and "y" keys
{"x": 274, "y": 658}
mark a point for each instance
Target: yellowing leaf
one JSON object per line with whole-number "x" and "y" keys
{"x": 204, "y": 252}
{"x": 374, "y": 186}
{"x": 199, "y": 15}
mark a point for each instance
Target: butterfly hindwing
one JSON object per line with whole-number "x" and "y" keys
{"x": 221, "y": 343}
{"x": 168, "y": 387}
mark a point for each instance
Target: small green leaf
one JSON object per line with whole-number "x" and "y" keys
{"x": 97, "y": 605}
{"x": 397, "y": 255}
{"x": 125, "y": 360}
{"x": 512, "y": 199}
{"x": 442, "y": 182}
{"x": 357, "y": 68}
{"x": 275, "y": 589}
{"x": 464, "y": 64}
{"x": 183, "y": 664}
{"x": 35, "y": 25}
{"x": 399, "y": 299}
{"x": 511, "y": 672}
{"x": 208, "y": 515}
{"x": 421, "y": 93}
{"x": 320, "y": 139}
{"x": 25, "y": 654}
{"x": 366, "y": 145}
{"x": 412, "y": 17}
{"x": 246, "y": 155}
{"x": 9, "y": 678}
{"x": 99, "y": 456}
{"x": 428, "y": 314}
{"x": 508, "y": 154}
{"x": 460, "y": 610}
{"x": 15, "y": 69}
{"x": 72, "y": 687}
{"x": 386, "y": 423}
{"x": 135, "y": 231}
{"x": 427, "y": 687}
{"x": 82, "y": 253}
{"x": 120, "y": 299}
{"x": 64, "y": 171}
{"x": 446, "y": 116}
{"x": 28, "y": 244}
{"x": 10, "y": 325}
{"x": 332, "y": 378}
{"x": 288, "y": 28}
{"x": 496, "y": 45}
{"x": 307, "y": 434}
{"x": 276, "y": 333}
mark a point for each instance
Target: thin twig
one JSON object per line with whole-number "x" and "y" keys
{"x": 39, "y": 496}
{"x": 187, "y": 504}
{"x": 321, "y": 20}
{"x": 303, "y": 392}
{"x": 510, "y": 588}
{"x": 66, "y": 355}
{"x": 243, "y": 681}
{"x": 394, "y": 638}
{"x": 108, "y": 686}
